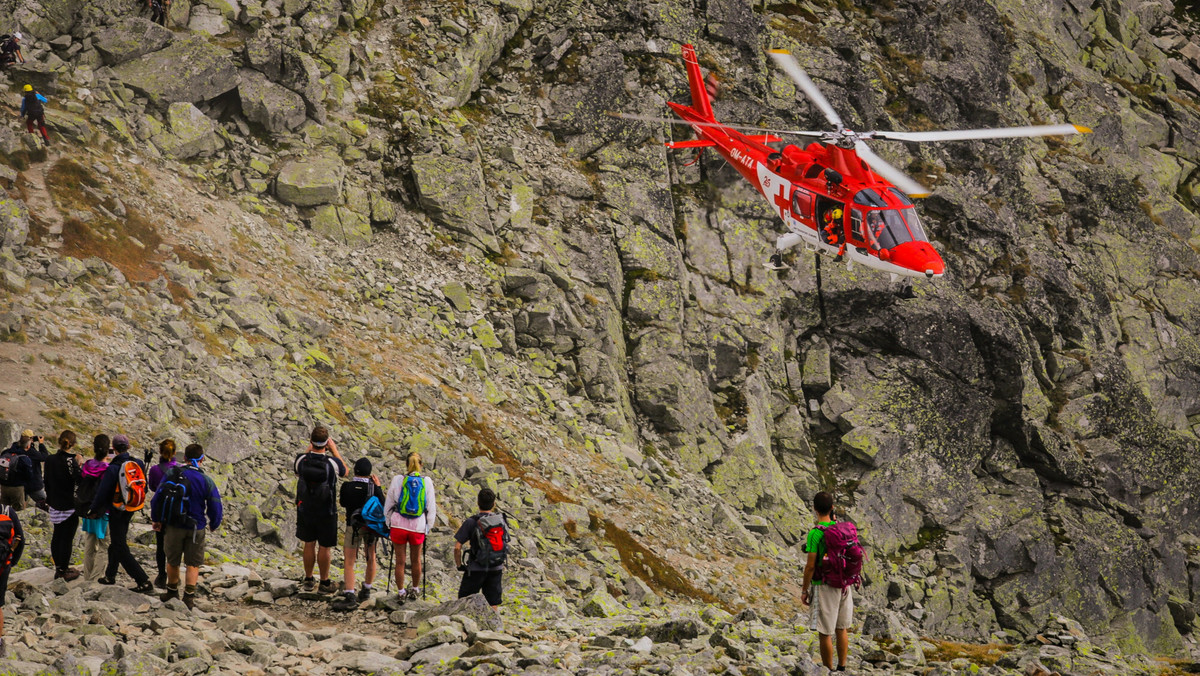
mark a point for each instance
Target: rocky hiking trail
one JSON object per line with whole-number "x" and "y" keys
{"x": 247, "y": 624}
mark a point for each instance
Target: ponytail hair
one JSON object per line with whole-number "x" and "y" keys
{"x": 66, "y": 440}
{"x": 414, "y": 462}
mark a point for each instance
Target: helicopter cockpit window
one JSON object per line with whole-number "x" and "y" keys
{"x": 869, "y": 198}
{"x": 901, "y": 197}
{"x": 914, "y": 224}
{"x": 887, "y": 228}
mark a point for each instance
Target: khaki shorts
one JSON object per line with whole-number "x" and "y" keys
{"x": 353, "y": 537}
{"x": 832, "y": 608}
{"x": 183, "y": 544}
{"x": 13, "y": 496}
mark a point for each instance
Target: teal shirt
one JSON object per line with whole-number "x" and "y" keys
{"x": 816, "y": 543}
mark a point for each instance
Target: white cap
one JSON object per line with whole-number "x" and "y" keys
{"x": 18, "y": 36}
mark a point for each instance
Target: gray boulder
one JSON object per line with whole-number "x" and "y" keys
{"x": 40, "y": 75}
{"x": 474, "y": 606}
{"x": 287, "y": 66}
{"x": 14, "y": 223}
{"x": 131, "y": 38}
{"x": 188, "y": 70}
{"x": 310, "y": 182}
{"x": 191, "y": 133}
{"x": 272, "y": 106}
{"x": 449, "y": 191}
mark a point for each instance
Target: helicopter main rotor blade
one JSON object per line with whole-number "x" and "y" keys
{"x": 970, "y": 134}
{"x": 739, "y": 127}
{"x": 888, "y": 172}
{"x": 787, "y": 62}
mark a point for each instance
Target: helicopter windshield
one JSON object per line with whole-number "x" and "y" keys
{"x": 886, "y": 228}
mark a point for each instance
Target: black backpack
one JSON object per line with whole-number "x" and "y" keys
{"x": 33, "y": 106}
{"x": 85, "y": 492}
{"x": 174, "y": 491}
{"x": 489, "y": 541}
{"x": 9, "y": 466}
{"x": 314, "y": 490}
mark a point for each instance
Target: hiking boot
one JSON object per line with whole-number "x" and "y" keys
{"x": 344, "y": 602}
{"x": 189, "y": 600}
{"x": 168, "y": 595}
{"x": 161, "y": 581}
{"x": 107, "y": 580}
{"x": 144, "y": 588}
{"x": 414, "y": 593}
{"x": 67, "y": 574}
{"x": 309, "y": 584}
{"x": 402, "y": 595}
{"x": 364, "y": 594}
{"x": 326, "y": 587}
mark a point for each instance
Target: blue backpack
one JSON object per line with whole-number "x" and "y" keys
{"x": 412, "y": 496}
{"x": 373, "y": 518}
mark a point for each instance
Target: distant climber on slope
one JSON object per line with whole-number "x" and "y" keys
{"x": 10, "y": 49}
{"x": 158, "y": 11}
{"x": 33, "y": 111}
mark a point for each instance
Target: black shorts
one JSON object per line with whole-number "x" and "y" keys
{"x": 322, "y": 528}
{"x": 487, "y": 582}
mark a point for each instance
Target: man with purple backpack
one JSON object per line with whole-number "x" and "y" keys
{"x": 834, "y": 567}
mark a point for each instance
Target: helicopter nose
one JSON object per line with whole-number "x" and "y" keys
{"x": 920, "y": 257}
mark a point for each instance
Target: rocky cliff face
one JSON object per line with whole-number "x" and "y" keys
{"x": 418, "y": 223}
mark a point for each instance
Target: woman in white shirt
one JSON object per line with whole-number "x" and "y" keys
{"x": 412, "y": 511}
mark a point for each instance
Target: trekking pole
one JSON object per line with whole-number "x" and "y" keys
{"x": 425, "y": 570}
{"x": 391, "y": 565}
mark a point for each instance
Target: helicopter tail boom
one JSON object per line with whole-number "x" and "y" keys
{"x": 700, "y": 101}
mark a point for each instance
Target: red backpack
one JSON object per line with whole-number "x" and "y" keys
{"x": 843, "y": 562}
{"x": 8, "y": 539}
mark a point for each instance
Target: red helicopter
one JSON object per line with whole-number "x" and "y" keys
{"x": 835, "y": 196}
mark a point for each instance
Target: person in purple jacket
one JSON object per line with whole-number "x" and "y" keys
{"x": 166, "y": 460}
{"x": 184, "y": 531}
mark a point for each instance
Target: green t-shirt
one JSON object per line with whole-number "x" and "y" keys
{"x": 816, "y": 543}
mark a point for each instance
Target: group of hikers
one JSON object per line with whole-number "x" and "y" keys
{"x": 104, "y": 493}
{"x": 404, "y": 516}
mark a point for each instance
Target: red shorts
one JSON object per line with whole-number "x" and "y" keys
{"x": 403, "y": 537}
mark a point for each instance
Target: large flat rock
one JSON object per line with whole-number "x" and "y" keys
{"x": 131, "y": 38}
{"x": 188, "y": 70}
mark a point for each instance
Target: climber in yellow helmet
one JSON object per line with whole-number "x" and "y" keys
{"x": 34, "y": 112}
{"x": 833, "y": 231}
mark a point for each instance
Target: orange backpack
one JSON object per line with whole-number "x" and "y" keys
{"x": 132, "y": 488}
{"x": 8, "y": 539}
